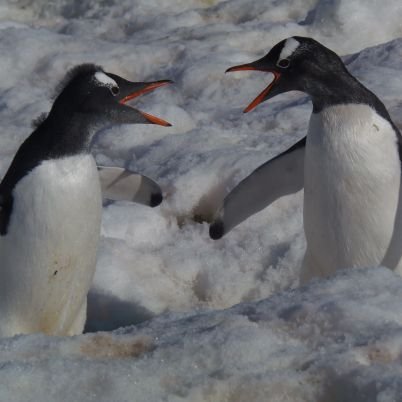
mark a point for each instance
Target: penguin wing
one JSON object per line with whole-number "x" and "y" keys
{"x": 6, "y": 205}
{"x": 280, "y": 176}
{"x": 3, "y": 217}
{"x": 120, "y": 184}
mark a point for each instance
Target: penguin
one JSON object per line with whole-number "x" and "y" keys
{"x": 50, "y": 204}
{"x": 349, "y": 165}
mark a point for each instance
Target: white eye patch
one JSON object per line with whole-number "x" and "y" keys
{"x": 290, "y": 46}
{"x": 105, "y": 80}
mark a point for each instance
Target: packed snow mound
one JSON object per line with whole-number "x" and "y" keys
{"x": 338, "y": 339}
{"x": 162, "y": 259}
{"x": 356, "y": 24}
{"x": 334, "y": 340}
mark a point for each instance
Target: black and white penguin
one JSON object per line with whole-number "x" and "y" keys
{"x": 50, "y": 205}
{"x": 349, "y": 165}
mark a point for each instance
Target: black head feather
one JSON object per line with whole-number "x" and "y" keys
{"x": 67, "y": 79}
{"x": 39, "y": 120}
{"x": 73, "y": 73}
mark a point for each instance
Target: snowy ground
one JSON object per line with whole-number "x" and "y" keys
{"x": 336, "y": 340}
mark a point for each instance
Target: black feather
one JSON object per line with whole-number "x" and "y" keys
{"x": 39, "y": 120}
{"x": 73, "y": 73}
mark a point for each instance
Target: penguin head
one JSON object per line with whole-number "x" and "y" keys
{"x": 100, "y": 97}
{"x": 297, "y": 63}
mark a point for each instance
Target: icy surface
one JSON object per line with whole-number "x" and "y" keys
{"x": 335, "y": 340}
{"x": 332, "y": 341}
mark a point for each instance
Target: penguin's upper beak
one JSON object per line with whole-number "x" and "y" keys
{"x": 136, "y": 89}
{"x": 269, "y": 92}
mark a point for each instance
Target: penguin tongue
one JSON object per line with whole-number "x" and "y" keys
{"x": 148, "y": 87}
{"x": 264, "y": 94}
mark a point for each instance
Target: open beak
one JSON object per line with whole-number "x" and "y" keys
{"x": 266, "y": 93}
{"x": 141, "y": 89}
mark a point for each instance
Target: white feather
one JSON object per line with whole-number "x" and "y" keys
{"x": 105, "y": 80}
{"x": 48, "y": 256}
{"x": 351, "y": 197}
{"x": 290, "y": 46}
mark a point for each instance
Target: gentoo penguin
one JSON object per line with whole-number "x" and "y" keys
{"x": 349, "y": 165}
{"x": 50, "y": 205}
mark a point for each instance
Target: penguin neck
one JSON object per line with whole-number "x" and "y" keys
{"x": 343, "y": 89}
{"x": 66, "y": 134}
{"x": 336, "y": 89}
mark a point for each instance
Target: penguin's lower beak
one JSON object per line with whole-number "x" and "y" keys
{"x": 141, "y": 89}
{"x": 268, "y": 92}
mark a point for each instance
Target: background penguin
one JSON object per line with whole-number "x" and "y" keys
{"x": 351, "y": 159}
{"x": 50, "y": 205}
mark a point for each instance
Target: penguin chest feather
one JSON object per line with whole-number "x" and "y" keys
{"x": 352, "y": 180}
{"x": 49, "y": 252}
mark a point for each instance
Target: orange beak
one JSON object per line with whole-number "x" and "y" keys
{"x": 148, "y": 88}
{"x": 263, "y": 95}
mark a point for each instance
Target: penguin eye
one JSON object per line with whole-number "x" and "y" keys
{"x": 283, "y": 63}
{"x": 114, "y": 90}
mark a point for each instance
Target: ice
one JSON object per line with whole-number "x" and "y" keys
{"x": 334, "y": 340}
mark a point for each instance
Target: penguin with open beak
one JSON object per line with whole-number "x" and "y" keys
{"x": 349, "y": 165}
{"x": 51, "y": 203}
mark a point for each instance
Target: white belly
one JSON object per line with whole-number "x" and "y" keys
{"x": 48, "y": 256}
{"x": 351, "y": 195}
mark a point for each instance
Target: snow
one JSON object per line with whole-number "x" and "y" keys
{"x": 336, "y": 339}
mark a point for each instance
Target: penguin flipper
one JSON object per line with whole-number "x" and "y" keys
{"x": 2, "y": 215}
{"x": 120, "y": 184}
{"x": 280, "y": 176}
{"x": 6, "y": 205}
